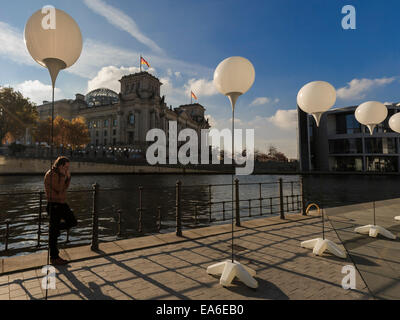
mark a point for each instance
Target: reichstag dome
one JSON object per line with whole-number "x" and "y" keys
{"x": 101, "y": 97}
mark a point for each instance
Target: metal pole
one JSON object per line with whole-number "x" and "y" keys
{"x": 140, "y": 220}
{"x": 119, "y": 212}
{"x": 95, "y": 219}
{"x": 178, "y": 210}
{"x": 303, "y": 202}
{"x": 223, "y": 211}
{"x": 237, "y": 203}
{"x": 7, "y": 234}
{"x": 260, "y": 189}
{"x": 374, "y": 215}
{"x": 209, "y": 202}
{"x": 40, "y": 217}
{"x": 159, "y": 219}
{"x": 281, "y": 198}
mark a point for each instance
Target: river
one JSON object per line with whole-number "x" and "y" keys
{"x": 158, "y": 196}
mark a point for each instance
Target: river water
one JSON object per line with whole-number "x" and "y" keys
{"x": 158, "y": 197}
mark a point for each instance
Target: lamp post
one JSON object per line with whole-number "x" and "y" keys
{"x": 370, "y": 114}
{"x": 315, "y": 98}
{"x": 55, "y": 46}
{"x": 233, "y": 77}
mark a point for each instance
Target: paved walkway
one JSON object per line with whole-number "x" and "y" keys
{"x": 167, "y": 267}
{"x": 377, "y": 259}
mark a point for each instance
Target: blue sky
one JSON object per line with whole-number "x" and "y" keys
{"x": 289, "y": 42}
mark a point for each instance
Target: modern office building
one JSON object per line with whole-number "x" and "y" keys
{"x": 341, "y": 144}
{"x": 124, "y": 119}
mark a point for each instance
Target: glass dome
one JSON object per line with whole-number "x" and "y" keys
{"x": 101, "y": 97}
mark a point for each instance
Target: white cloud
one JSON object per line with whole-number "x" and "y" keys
{"x": 201, "y": 87}
{"x": 122, "y": 21}
{"x": 260, "y": 101}
{"x": 211, "y": 120}
{"x": 108, "y": 77}
{"x": 37, "y": 91}
{"x": 13, "y": 46}
{"x": 263, "y": 101}
{"x": 357, "y": 88}
{"x": 284, "y": 119}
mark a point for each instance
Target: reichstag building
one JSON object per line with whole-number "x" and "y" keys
{"x": 124, "y": 119}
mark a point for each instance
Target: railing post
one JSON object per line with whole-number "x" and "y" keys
{"x": 139, "y": 212}
{"x": 119, "y": 212}
{"x": 209, "y": 203}
{"x": 223, "y": 211}
{"x": 271, "y": 206}
{"x": 95, "y": 219}
{"x": 292, "y": 196}
{"x": 40, "y": 218}
{"x": 195, "y": 214}
{"x": 303, "y": 202}
{"x": 178, "y": 210}
{"x": 159, "y": 219}
{"x": 237, "y": 202}
{"x": 281, "y": 199}
{"x": 7, "y": 234}
{"x": 260, "y": 191}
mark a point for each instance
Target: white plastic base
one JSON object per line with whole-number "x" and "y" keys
{"x": 229, "y": 271}
{"x": 397, "y": 218}
{"x": 373, "y": 231}
{"x": 320, "y": 245}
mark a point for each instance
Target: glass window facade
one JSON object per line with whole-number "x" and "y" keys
{"x": 344, "y": 164}
{"x": 345, "y": 146}
{"x": 346, "y": 124}
{"x": 381, "y": 145}
{"x": 382, "y": 164}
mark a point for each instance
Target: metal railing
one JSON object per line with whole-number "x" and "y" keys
{"x": 156, "y": 217}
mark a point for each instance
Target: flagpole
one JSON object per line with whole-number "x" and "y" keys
{"x": 140, "y": 63}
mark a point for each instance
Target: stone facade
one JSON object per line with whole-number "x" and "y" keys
{"x": 124, "y": 119}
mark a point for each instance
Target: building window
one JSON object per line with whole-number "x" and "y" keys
{"x": 382, "y": 164}
{"x": 97, "y": 142}
{"x": 114, "y": 142}
{"x": 131, "y": 119}
{"x": 106, "y": 122}
{"x": 94, "y": 124}
{"x": 90, "y": 124}
{"x": 97, "y": 133}
{"x": 381, "y": 145}
{"x": 130, "y": 138}
{"x": 347, "y": 124}
{"x": 345, "y": 146}
{"x": 114, "y": 132}
{"x": 105, "y": 142}
{"x": 105, "y": 133}
{"x": 344, "y": 164}
{"x": 115, "y": 122}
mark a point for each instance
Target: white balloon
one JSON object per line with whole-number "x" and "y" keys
{"x": 371, "y": 113}
{"x": 234, "y": 75}
{"x": 316, "y": 97}
{"x": 394, "y": 123}
{"x": 64, "y": 42}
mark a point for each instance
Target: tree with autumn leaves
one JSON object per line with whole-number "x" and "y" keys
{"x": 74, "y": 133}
{"x": 16, "y": 115}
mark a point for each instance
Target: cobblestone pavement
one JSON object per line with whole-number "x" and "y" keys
{"x": 167, "y": 267}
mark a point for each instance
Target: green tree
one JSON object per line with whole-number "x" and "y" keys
{"x": 16, "y": 114}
